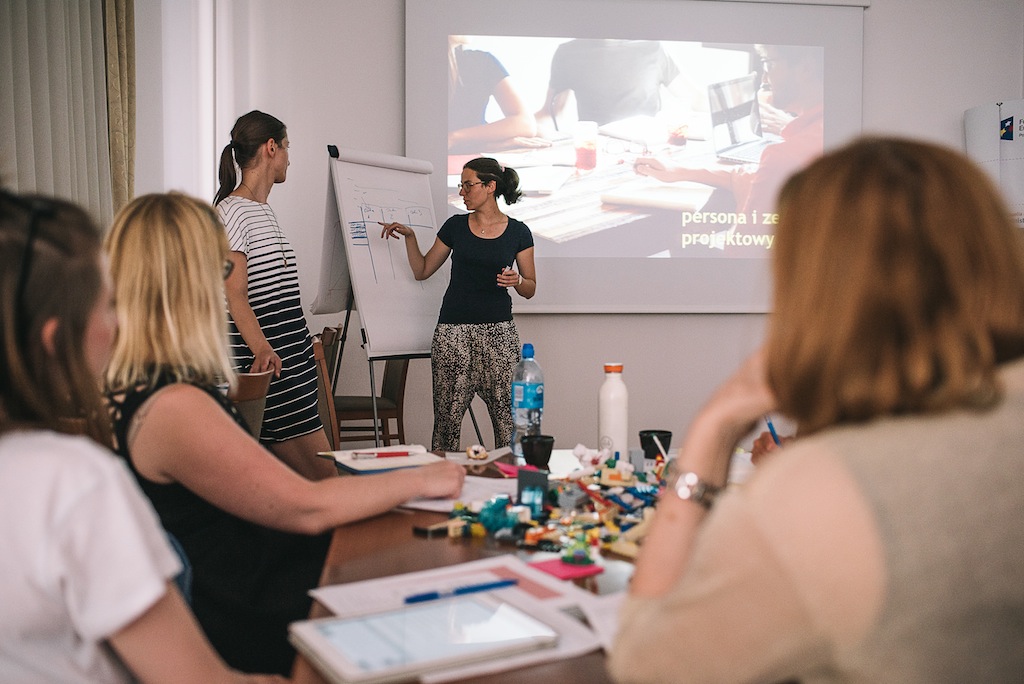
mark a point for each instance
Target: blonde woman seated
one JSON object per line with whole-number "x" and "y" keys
{"x": 886, "y": 544}
{"x": 252, "y": 528}
{"x": 85, "y": 578}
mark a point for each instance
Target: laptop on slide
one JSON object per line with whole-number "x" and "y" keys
{"x": 735, "y": 121}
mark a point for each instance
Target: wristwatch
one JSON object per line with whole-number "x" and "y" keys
{"x": 688, "y": 486}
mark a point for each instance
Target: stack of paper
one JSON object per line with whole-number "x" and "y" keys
{"x": 537, "y": 593}
{"x": 382, "y": 459}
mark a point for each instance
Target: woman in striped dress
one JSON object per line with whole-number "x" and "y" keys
{"x": 267, "y": 328}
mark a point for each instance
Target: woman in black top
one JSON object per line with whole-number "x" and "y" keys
{"x": 253, "y": 529}
{"x": 476, "y": 346}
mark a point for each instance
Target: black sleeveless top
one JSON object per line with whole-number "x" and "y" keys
{"x": 249, "y": 581}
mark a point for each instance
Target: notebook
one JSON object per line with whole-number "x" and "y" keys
{"x": 735, "y": 122}
{"x": 382, "y": 459}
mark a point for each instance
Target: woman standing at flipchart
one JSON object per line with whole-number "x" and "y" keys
{"x": 267, "y": 328}
{"x": 476, "y": 346}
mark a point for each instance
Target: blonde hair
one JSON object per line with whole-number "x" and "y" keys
{"x": 167, "y": 256}
{"x": 899, "y": 285}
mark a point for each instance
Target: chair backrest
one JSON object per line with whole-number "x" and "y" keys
{"x": 325, "y": 395}
{"x": 249, "y": 395}
{"x": 330, "y": 338}
{"x": 392, "y": 387}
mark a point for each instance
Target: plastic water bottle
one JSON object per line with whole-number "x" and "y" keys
{"x": 527, "y": 400}
{"x": 613, "y": 412}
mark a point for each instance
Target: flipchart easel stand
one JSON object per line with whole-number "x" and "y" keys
{"x": 343, "y": 335}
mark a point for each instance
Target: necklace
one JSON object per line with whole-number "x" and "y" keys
{"x": 270, "y": 220}
{"x": 486, "y": 228}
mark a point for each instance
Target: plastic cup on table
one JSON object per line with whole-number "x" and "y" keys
{"x": 537, "y": 450}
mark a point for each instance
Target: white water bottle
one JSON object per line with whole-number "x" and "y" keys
{"x": 613, "y": 412}
{"x": 527, "y": 400}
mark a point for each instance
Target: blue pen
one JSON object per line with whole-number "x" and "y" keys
{"x": 771, "y": 429}
{"x": 459, "y": 591}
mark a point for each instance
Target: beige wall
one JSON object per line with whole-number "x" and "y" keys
{"x": 925, "y": 62}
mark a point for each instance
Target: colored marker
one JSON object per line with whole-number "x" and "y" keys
{"x": 504, "y": 271}
{"x": 379, "y": 454}
{"x": 771, "y": 429}
{"x": 461, "y": 591}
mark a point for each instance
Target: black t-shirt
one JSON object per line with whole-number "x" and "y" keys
{"x": 478, "y": 74}
{"x": 249, "y": 581}
{"x": 612, "y": 79}
{"x": 473, "y": 295}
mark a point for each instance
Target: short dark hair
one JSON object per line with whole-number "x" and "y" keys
{"x": 49, "y": 269}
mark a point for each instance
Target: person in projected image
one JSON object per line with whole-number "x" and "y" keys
{"x": 794, "y": 75}
{"x": 86, "y": 584}
{"x": 885, "y": 544}
{"x": 608, "y": 79}
{"x": 474, "y": 77}
{"x": 475, "y": 347}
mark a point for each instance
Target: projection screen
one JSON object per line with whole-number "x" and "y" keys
{"x": 650, "y": 136}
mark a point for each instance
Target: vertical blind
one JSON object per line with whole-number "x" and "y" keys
{"x": 53, "y": 105}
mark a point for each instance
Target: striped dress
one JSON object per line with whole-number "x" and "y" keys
{"x": 274, "y": 297}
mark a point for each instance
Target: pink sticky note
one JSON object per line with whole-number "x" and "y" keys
{"x": 563, "y": 570}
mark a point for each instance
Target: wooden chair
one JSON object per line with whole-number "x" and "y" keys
{"x": 324, "y": 393}
{"x": 331, "y": 339}
{"x": 353, "y": 408}
{"x": 390, "y": 406}
{"x": 249, "y": 395}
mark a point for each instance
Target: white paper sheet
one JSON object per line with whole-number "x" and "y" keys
{"x": 474, "y": 488}
{"x": 538, "y": 593}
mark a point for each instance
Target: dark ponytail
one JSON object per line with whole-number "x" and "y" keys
{"x": 249, "y": 133}
{"x": 505, "y": 178}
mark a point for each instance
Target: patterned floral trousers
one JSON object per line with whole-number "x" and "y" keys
{"x": 468, "y": 359}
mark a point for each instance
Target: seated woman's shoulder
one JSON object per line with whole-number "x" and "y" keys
{"x": 51, "y": 457}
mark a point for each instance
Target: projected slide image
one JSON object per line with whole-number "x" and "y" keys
{"x": 637, "y": 148}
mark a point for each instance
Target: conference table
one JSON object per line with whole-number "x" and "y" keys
{"x": 386, "y": 545}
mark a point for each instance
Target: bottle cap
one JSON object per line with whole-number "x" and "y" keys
{"x": 610, "y": 367}
{"x": 527, "y": 351}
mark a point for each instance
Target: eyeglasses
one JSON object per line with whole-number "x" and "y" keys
{"x": 467, "y": 185}
{"x": 229, "y": 268}
{"x": 766, "y": 63}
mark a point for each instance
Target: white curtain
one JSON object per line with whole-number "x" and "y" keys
{"x": 53, "y": 108}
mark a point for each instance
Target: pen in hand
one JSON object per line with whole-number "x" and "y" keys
{"x": 771, "y": 429}
{"x": 390, "y": 230}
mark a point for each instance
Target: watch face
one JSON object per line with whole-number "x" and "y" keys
{"x": 689, "y": 487}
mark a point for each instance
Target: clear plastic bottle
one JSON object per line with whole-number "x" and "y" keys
{"x": 527, "y": 400}
{"x": 613, "y": 412}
